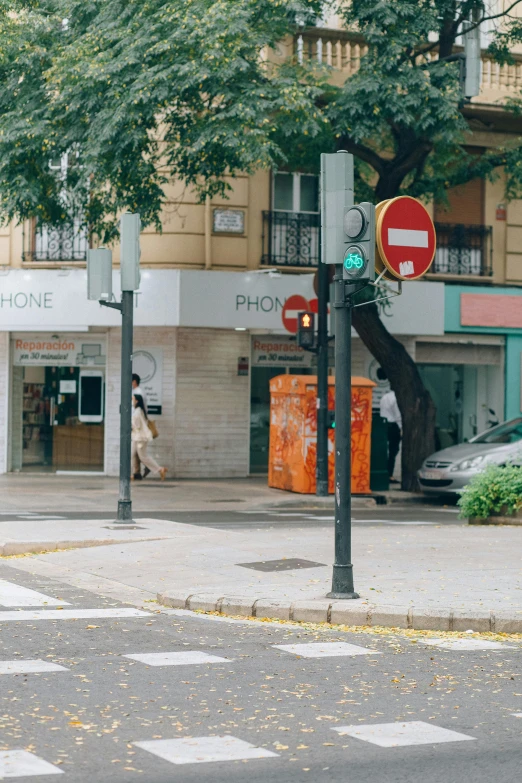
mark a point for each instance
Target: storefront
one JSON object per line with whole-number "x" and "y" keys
{"x": 60, "y": 382}
{"x": 60, "y": 364}
{"x": 206, "y": 346}
{"x": 253, "y": 304}
{"x": 490, "y": 318}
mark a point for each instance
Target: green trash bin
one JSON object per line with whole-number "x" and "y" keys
{"x": 379, "y": 479}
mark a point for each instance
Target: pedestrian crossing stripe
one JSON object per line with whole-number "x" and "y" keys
{"x": 29, "y": 667}
{"x": 467, "y": 644}
{"x": 391, "y": 735}
{"x": 181, "y": 658}
{"x": 70, "y": 614}
{"x": 325, "y": 649}
{"x": 197, "y": 750}
{"x": 19, "y": 763}
{"x": 15, "y": 595}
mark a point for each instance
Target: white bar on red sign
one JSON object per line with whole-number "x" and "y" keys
{"x": 407, "y": 237}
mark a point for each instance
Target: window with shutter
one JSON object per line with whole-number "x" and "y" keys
{"x": 466, "y": 202}
{"x": 466, "y": 205}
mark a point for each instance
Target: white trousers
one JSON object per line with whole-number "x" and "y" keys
{"x": 139, "y": 454}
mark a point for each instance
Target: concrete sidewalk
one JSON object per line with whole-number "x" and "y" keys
{"x": 420, "y": 576}
{"x": 41, "y": 492}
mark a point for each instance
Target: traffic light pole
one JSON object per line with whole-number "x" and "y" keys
{"x": 126, "y": 308}
{"x": 342, "y": 578}
{"x": 127, "y": 323}
{"x": 130, "y": 227}
{"x": 322, "y": 381}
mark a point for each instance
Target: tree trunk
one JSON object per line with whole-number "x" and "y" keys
{"x": 415, "y": 404}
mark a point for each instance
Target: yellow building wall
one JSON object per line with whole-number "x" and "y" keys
{"x": 187, "y": 239}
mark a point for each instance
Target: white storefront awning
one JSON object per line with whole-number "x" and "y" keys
{"x": 48, "y": 299}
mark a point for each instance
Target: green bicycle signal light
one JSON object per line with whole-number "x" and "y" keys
{"x": 359, "y": 228}
{"x": 353, "y": 261}
{"x": 355, "y": 264}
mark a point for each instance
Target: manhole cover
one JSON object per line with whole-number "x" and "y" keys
{"x": 288, "y": 564}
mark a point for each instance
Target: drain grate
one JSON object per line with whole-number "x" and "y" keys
{"x": 285, "y": 564}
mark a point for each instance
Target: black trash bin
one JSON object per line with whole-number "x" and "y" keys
{"x": 379, "y": 479}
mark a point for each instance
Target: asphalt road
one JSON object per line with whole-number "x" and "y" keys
{"x": 258, "y": 711}
{"x": 409, "y": 514}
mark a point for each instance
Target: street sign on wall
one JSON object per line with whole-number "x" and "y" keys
{"x": 278, "y": 351}
{"x": 405, "y": 237}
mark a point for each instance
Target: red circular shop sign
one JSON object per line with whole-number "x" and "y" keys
{"x": 406, "y": 237}
{"x": 293, "y": 305}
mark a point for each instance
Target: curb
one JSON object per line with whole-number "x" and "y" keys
{"x": 11, "y": 548}
{"x": 347, "y": 613}
{"x": 513, "y": 521}
{"x": 302, "y": 502}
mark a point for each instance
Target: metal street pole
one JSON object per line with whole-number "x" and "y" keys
{"x": 336, "y": 203}
{"x": 127, "y": 319}
{"x": 99, "y": 277}
{"x": 322, "y": 381}
{"x": 342, "y": 578}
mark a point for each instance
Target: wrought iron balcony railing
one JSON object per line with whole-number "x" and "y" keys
{"x": 463, "y": 250}
{"x": 69, "y": 242}
{"x": 290, "y": 239}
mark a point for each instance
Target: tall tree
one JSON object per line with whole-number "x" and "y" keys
{"x": 137, "y": 92}
{"x": 403, "y": 117}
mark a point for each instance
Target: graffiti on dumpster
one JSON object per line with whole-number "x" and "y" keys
{"x": 293, "y": 434}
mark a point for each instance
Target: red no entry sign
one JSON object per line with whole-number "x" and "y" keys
{"x": 405, "y": 237}
{"x": 293, "y": 305}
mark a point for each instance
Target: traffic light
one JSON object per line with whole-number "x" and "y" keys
{"x": 306, "y": 330}
{"x": 336, "y": 198}
{"x": 359, "y": 241}
{"x": 130, "y": 227}
{"x": 470, "y": 65}
{"x": 99, "y": 274}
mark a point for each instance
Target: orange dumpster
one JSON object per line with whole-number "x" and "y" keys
{"x": 293, "y": 433}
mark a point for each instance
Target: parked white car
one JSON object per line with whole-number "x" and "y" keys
{"x": 449, "y": 470}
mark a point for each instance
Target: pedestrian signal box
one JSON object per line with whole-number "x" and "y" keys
{"x": 306, "y": 330}
{"x": 359, "y": 230}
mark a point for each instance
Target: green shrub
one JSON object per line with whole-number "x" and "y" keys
{"x": 496, "y": 490}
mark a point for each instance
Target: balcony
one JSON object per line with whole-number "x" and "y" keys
{"x": 342, "y": 50}
{"x": 52, "y": 244}
{"x": 290, "y": 239}
{"x": 463, "y": 250}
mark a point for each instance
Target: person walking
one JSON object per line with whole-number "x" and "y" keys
{"x": 140, "y": 437}
{"x": 136, "y": 389}
{"x": 390, "y": 411}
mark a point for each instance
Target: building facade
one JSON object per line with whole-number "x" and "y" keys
{"x": 212, "y": 327}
